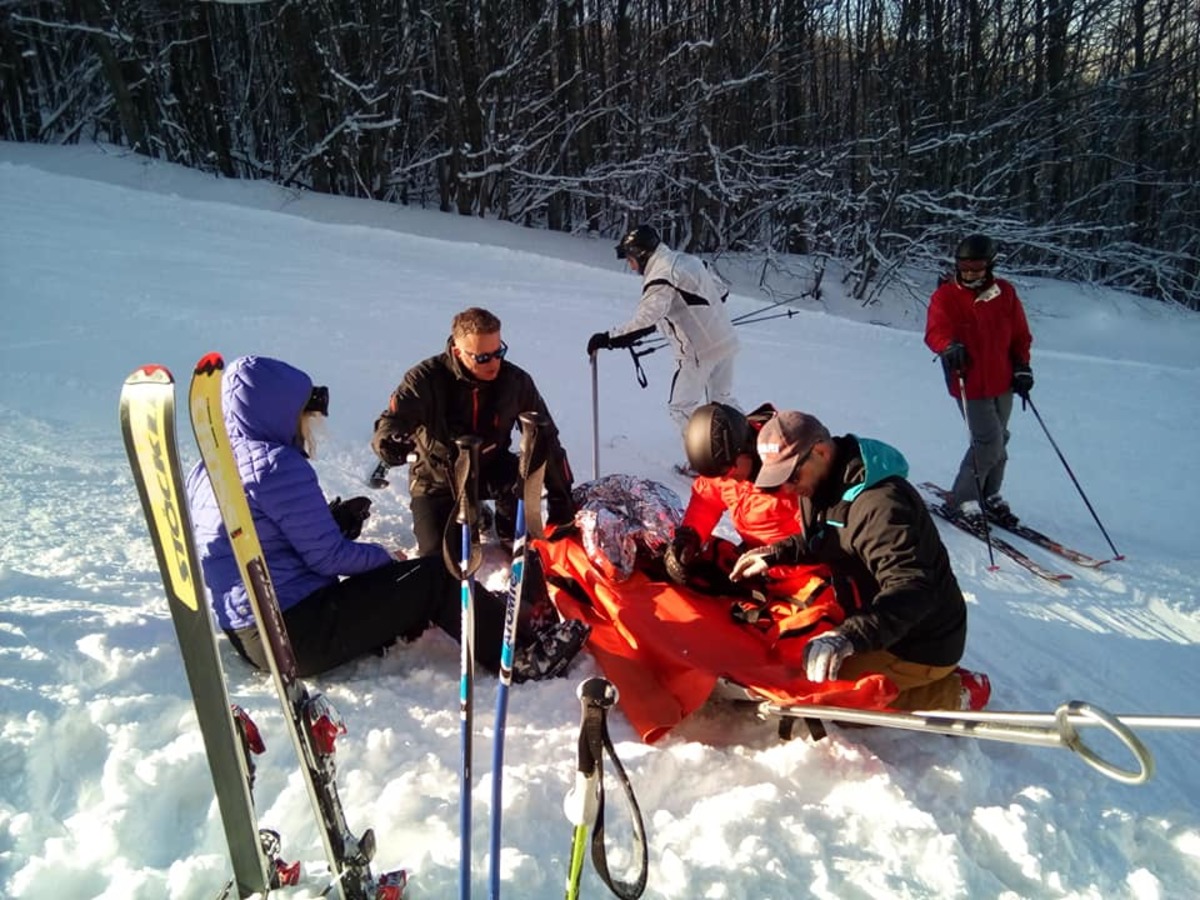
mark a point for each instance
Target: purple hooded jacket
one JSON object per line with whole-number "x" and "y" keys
{"x": 262, "y": 400}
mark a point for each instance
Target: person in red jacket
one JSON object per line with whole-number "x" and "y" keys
{"x": 976, "y": 324}
{"x": 719, "y": 441}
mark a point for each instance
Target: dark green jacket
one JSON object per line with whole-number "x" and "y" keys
{"x": 868, "y": 522}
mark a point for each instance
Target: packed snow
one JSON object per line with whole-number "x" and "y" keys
{"x": 109, "y": 261}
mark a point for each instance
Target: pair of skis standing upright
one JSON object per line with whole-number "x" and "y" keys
{"x": 147, "y": 415}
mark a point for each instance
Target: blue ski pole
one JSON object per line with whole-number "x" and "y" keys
{"x": 507, "y": 648}
{"x": 465, "y": 698}
{"x": 467, "y": 483}
{"x": 530, "y": 422}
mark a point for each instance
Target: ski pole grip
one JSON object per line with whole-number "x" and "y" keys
{"x": 468, "y": 500}
{"x": 597, "y": 693}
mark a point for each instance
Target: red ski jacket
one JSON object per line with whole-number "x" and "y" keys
{"x": 990, "y": 324}
{"x": 758, "y": 518}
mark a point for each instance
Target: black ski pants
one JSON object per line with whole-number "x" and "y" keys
{"x": 367, "y": 612}
{"x": 498, "y": 480}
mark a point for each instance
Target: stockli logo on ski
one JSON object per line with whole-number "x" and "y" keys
{"x": 161, "y": 501}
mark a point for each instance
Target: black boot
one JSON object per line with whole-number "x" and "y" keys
{"x": 998, "y": 511}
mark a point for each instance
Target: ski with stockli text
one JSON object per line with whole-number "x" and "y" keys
{"x": 312, "y": 721}
{"x": 1032, "y": 535}
{"x": 1019, "y": 557}
{"x": 147, "y": 414}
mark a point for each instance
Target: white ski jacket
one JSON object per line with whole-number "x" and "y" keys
{"x": 686, "y": 302}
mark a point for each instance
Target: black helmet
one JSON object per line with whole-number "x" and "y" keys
{"x": 714, "y": 437}
{"x": 976, "y": 248}
{"x": 639, "y": 243}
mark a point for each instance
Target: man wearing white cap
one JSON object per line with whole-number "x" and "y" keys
{"x": 863, "y": 518}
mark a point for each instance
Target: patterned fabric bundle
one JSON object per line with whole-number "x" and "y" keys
{"x": 619, "y": 516}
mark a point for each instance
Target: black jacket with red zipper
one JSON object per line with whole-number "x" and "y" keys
{"x": 439, "y": 401}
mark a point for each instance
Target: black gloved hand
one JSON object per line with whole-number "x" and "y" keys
{"x": 350, "y": 514}
{"x": 630, "y": 338}
{"x": 955, "y": 358}
{"x": 682, "y": 551}
{"x": 599, "y": 341}
{"x": 392, "y": 447}
{"x": 1022, "y": 382}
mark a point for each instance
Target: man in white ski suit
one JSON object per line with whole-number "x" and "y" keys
{"x": 686, "y": 303}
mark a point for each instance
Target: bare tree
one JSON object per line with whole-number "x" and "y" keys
{"x": 872, "y": 131}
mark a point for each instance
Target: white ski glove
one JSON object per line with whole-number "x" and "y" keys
{"x": 824, "y": 654}
{"x": 752, "y": 563}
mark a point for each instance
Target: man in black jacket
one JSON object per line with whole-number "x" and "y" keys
{"x": 862, "y": 517}
{"x": 470, "y": 389}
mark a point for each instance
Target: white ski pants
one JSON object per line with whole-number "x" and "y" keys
{"x": 697, "y": 383}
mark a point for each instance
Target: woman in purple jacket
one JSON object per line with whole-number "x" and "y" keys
{"x": 309, "y": 546}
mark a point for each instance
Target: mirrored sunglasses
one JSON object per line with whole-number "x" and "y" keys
{"x": 483, "y": 358}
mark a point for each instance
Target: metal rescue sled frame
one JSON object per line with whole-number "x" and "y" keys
{"x": 1060, "y": 728}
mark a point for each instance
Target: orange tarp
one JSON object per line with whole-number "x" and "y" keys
{"x": 665, "y": 646}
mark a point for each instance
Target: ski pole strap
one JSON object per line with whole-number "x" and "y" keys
{"x": 531, "y": 468}
{"x": 597, "y": 695}
{"x": 466, "y": 495}
{"x": 637, "y": 365}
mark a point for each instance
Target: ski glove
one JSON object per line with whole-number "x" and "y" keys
{"x": 599, "y": 341}
{"x": 955, "y": 358}
{"x": 392, "y": 447}
{"x": 752, "y": 563}
{"x": 682, "y": 551}
{"x": 823, "y": 656}
{"x": 350, "y": 515}
{"x": 1022, "y": 382}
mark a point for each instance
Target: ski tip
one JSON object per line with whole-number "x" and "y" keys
{"x": 151, "y": 373}
{"x": 210, "y": 363}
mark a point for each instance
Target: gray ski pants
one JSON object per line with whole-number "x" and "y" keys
{"x": 988, "y": 421}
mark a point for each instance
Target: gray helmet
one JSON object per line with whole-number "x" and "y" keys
{"x": 976, "y": 248}
{"x": 638, "y": 244}
{"x": 715, "y": 435}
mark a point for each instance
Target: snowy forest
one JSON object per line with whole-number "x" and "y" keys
{"x": 875, "y": 132}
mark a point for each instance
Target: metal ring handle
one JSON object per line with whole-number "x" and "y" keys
{"x": 1072, "y": 741}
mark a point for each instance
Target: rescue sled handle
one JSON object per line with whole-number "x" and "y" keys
{"x": 1182, "y": 723}
{"x": 1057, "y": 729}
